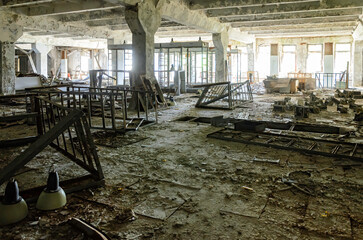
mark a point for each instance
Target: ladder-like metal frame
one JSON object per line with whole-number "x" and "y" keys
{"x": 307, "y": 145}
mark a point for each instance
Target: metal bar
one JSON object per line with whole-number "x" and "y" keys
{"x": 102, "y": 111}
{"x": 83, "y": 139}
{"x": 112, "y": 102}
{"x": 92, "y": 148}
{"x": 89, "y": 109}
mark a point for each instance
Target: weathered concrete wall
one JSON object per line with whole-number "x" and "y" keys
{"x": 302, "y": 52}
{"x": 7, "y": 68}
{"x": 358, "y": 63}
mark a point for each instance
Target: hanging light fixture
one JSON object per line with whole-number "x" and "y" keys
{"x": 13, "y": 208}
{"x": 53, "y": 196}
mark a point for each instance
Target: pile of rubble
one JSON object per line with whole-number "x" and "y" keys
{"x": 342, "y": 101}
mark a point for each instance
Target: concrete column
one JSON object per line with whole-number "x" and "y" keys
{"x": 328, "y": 58}
{"x": 251, "y": 57}
{"x": 220, "y": 41}
{"x": 9, "y": 34}
{"x": 64, "y": 64}
{"x": 41, "y": 57}
{"x": 274, "y": 59}
{"x": 7, "y": 68}
{"x": 302, "y": 56}
{"x": 357, "y": 64}
{"x": 143, "y": 20}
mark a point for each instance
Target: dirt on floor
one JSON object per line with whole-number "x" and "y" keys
{"x": 169, "y": 181}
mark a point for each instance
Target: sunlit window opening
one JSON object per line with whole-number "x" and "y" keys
{"x": 342, "y": 56}
{"x": 315, "y": 58}
{"x": 288, "y": 60}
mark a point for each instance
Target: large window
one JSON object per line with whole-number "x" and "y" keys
{"x": 342, "y": 56}
{"x": 244, "y": 61}
{"x": 263, "y": 61}
{"x": 315, "y": 57}
{"x": 288, "y": 60}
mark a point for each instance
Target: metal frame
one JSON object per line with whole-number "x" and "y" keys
{"x": 67, "y": 131}
{"x": 235, "y": 93}
{"x": 113, "y": 104}
{"x": 353, "y": 151}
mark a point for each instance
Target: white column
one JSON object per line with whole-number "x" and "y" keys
{"x": 41, "y": 57}
{"x": 220, "y": 41}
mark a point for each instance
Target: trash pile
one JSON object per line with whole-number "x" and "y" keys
{"x": 258, "y": 88}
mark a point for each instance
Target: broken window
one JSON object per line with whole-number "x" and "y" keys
{"x": 315, "y": 57}
{"x": 342, "y": 56}
{"x": 288, "y": 60}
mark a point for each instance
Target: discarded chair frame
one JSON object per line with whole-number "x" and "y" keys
{"x": 353, "y": 151}
{"x": 113, "y": 104}
{"x": 235, "y": 93}
{"x": 67, "y": 131}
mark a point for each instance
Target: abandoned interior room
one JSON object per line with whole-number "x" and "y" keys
{"x": 181, "y": 119}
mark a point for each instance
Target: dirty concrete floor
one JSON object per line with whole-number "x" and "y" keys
{"x": 182, "y": 185}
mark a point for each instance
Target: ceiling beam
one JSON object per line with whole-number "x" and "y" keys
{"x": 93, "y": 15}
{"x": 283, "y": 7}
{"x": 178, "y": 12}
{"x": 296, "y": 21}
{"x": 118, "y": 26}
{"x": 40, "y": 33}
{"x": 295, "y": 14}
{"x": 220, "y": 4}
{"x": 21, "y": 3}
{"x": 62, "y": 7}
{"x": 306, "y": 34}
{"x": 302, "y": 30}
{"x": 301, "y": 26}
{"x": 49, "y": 24}
{"x": 106, "y": 22}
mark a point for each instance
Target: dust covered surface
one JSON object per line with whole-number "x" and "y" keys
{"x": 169, "y": 181}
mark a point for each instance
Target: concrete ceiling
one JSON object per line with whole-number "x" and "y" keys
{"x": 258, "y": 18}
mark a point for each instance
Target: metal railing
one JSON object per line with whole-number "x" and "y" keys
{"x": 329, "y": 80}
{"x": 107, "y": 108}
